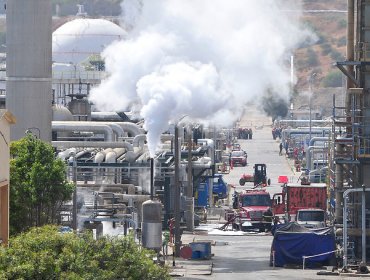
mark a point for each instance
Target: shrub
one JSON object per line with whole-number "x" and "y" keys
{"x": 336, "y": 56}
{"x": 311, "y": 58}
{"x": 333, "y": 79}
{"x": 326, "y": 49}
{"x": 342, "y": 41}
{"x": 46, "y": 253}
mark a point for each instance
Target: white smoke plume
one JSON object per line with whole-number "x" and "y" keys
{"x": 201, "y": 58}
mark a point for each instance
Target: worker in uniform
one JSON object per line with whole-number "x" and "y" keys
{"x": 267, "y": 217}
{"x": 281, "y": 148}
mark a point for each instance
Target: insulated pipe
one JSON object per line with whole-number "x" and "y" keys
{"x": 305, "y": 131}
{"x": 308, "y": 154}
{"x": 128, "y": 197}
{"x": 286, "y": 133}
{"x": 200, "y": 164}
{"x": 117, "y": 129}
{"x": 99, "y": 157}
{"x": 81, "y": 126}
{"x": 210, "y": 142}
{"x": 316, "y": 139}
{"x": 143, "y": 158}
{"x": 119, "y": 188}
{"x": 110, "y": 157}
{"x": 113, "y": 188}
{"x": 81, "y": 153}
{"x": 66, "y": 153}
{"x": 119, "y": 151}
{"x": 105, "y": 116}
{"x": 122, "y": 157}
{"x": 88, "y": 144}
{"x": 139, "y": 140}
{"x": 131, "y": 156}
{"x": 304, "y": 121}
{"x": 132, "y": 128}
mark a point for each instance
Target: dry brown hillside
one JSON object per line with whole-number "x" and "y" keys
{"x": 330, "y": 28}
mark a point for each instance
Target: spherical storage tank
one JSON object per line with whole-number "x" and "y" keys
{"x": 61, "y": 113}
{"x": 76, "y": 40}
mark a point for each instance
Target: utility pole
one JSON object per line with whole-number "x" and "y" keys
{"x": 177, "y": 194}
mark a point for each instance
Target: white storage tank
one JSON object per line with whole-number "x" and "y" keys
{"x": 151, "y": 226}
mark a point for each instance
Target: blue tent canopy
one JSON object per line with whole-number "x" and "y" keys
{"x": 292, "y": 241}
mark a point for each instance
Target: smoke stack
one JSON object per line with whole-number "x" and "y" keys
{"x": 151, "y": 178}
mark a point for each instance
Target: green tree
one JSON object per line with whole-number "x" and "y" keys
{"x": 38, "y": 184}
{"x": 46, "y": 253}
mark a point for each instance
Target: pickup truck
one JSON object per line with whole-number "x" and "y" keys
{"x": 311, "y": 218}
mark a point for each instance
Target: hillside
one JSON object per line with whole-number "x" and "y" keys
{"x": 330, "y": 27}
{"x": 319, "y": 58}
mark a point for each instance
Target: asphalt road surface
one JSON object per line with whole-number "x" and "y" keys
{"x": 247, "y": 256}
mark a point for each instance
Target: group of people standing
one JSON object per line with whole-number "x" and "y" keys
{"x": 276, "y": 133}
{"x": 245, "y": 133}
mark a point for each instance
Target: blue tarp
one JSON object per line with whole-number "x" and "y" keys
{"x": 292, "y": 241}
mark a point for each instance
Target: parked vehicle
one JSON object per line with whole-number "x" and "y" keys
{"x": 248, "y": 210}
{"x": 220, "y": 190}
{"x": 292, "y": 241}
{"x": 295, "y": 197}
{"x": 311, "y": 218}
{"x": 259, "y": 177}
{"x": 238, "y": 157}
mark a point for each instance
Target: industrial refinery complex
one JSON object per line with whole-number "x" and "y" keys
{"x": 303, "y": 176}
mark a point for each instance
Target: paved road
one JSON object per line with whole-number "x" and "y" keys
{"x": 247, "y": 257}
{"x": 261, "y": 149}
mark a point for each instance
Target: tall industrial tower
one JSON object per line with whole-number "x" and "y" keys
{"x": 28, "y": 66}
